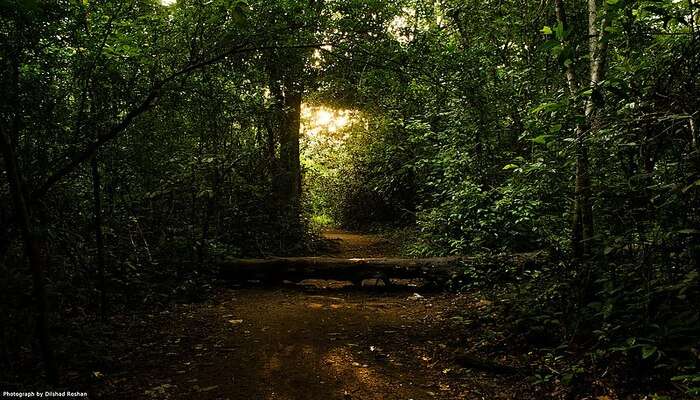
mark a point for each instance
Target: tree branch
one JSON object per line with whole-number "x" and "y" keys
{"x": 151, "y": 98}
{"x": 570, "y": 68}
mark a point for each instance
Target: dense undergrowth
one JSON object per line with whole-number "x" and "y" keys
{"x": 612, "y": 338}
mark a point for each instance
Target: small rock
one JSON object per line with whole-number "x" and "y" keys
{"x": 415, "y": 296}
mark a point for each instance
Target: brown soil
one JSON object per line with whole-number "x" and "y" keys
{"x": 304, "y": 342}
{"x": 355, "y": 245}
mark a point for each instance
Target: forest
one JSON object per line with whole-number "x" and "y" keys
{"x": 350, "y": 199}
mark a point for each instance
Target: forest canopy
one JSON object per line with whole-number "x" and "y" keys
{"x": 144, "y": 142}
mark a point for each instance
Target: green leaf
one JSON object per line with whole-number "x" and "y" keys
{"x": 547, "y": 107}
{"x": 550, "y": 44}
{"x": 648, "y": 351}
{"x": 510, "y": 166}
{"x": 559, "y": 30}
{"x": 686, "y": 378}
{"x": 547, "y": 30}
{"x": 692, "y": 185}
{"x": 239, "y": 12}
{"x": 542, "y": 139}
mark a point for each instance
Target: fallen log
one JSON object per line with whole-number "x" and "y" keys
{"x": 342, "y": 269}
{"x": 436, "y": 269}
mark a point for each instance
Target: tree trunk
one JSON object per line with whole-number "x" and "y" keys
{"x": 290, "y": 188}
{"x": 99, "y": 241}
{"x": 286, "y": 86}
{"x": 209, "y": 212}
{"x": 583, "y": 210}
{"x": 35, "y": 250}
{"x": 583, "y": 222}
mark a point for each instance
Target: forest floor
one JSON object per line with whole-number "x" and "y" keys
{"x": 311, "y": 341}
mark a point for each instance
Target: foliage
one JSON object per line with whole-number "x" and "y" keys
{"x": 174, "y": 125}
{"x": 479, "y": 138}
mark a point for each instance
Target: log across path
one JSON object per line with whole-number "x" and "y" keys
{"x": 343, "y": 269}
{"x": 438, "y": 270}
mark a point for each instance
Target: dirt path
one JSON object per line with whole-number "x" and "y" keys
{"x": 302, "y": 342}
{"x": 352, "y": 244}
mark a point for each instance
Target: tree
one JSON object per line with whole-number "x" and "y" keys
{"x": 583, "y": 228}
